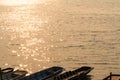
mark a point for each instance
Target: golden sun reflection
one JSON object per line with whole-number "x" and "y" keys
{"x": 21, "y": 2}
{"x": 27, "y": 35}
{"x": 18, "y": 2}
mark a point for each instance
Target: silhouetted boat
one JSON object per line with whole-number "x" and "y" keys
{"x": 52, "y": 73}
{"x": 81, "y": 77}
{"x": 70, "y": 74}
{"x": 13, "y": 75}
{"x": 44, "y": 74}
{"x": 112, "y": 77}
{"x": 6, "y": 70}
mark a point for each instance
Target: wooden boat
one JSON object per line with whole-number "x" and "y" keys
{"x": 112, "y": 77}
{"x": 81, "y": 77}
{"x": 83, "y": 70}
{"x": 6, "y": 70}
{"x": 14, "y": 75}
{"x": 69, "y": 74}
{"x": 44, "y": 74}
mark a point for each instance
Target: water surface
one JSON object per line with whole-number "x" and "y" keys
{"x": 68, "y": 33}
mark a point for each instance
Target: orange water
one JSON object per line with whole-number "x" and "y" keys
{"x": 68, "y": 33}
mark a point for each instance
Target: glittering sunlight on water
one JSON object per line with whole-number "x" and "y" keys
{"x": 20, "y": 2}
{"x": 26, "y": 38}
{"x": 67, "y": 33}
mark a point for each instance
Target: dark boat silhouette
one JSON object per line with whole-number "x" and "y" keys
{"x": 52, "y": 73}
{"x": 11, "y": 74}
{"x": 44, "y": 74}
{"x": 71, "y": 74}
{"x": 112, "y": 77}
{"x": 6, "y": 70}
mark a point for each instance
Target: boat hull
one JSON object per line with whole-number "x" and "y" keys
{"x": 44, "y": 74}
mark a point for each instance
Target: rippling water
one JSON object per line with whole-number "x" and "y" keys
{"x": 65, "y": 33}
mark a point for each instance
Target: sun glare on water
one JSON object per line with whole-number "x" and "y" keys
{"x": 19, "y": 2}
